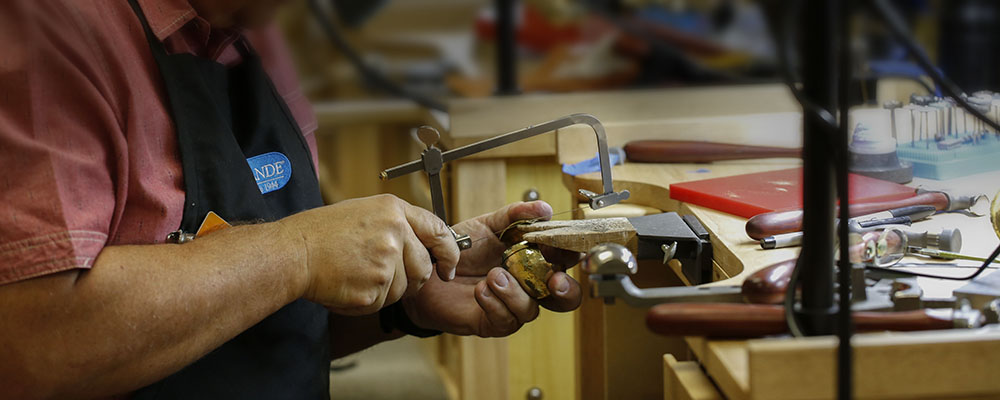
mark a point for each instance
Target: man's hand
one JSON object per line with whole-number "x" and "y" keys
{"x": 359, "y": 255}
{"x": 484, "y": 299}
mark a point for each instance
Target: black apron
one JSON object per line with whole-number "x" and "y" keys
{"x": 245, "y": 159}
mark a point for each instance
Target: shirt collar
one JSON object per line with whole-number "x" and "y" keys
{"x": 168, "y": 18}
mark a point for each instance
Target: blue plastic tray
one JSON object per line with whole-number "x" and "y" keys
{"x": 933, "y": 163}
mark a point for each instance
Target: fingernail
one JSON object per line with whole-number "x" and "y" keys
{"x": 451, "y": 275}
{"x": 501, "y": 280}
{"x": 486, "y": 292}
{"x": 562, "y": 286}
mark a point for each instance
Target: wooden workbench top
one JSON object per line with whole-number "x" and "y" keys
{"x": 730, "y": 362}
{"x": 738, "y": 255}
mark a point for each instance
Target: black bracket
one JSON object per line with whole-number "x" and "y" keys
{"x": 668, "y": 236}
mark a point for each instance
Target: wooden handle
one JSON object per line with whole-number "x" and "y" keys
{"x": 768, "y": 285}
{"x": 777, "y": 222}
{"x": 685, "y": 151}
{"x": 755, "y": 320}
{"x": 716, "y": 319}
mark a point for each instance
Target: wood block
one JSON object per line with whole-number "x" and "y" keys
{"x": 931, "y": 364}
{"x": 580, "y": 235}
{"x": 684, "y": 380}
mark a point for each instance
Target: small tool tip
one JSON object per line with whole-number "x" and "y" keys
{"x": 383, "y": 176}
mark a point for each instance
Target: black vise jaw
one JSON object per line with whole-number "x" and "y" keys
{"x": 668, "y": 236}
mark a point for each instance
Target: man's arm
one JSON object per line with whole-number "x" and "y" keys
{"x": 144, "y": 312}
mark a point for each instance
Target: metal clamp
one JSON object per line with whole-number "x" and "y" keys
{"x": 610, "y": 266}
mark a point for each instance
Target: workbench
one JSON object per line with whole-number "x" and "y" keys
{"x": 935, "y": 364}
{"x": 601, "y": 351}
{"x": 545, "y": 353}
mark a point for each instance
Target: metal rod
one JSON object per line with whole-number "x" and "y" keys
{"x": 819, "y": 80}
{"x": 506, "y": 42}
{"x": 947, "y": 255}
{"x": 844, "y": 323}
{"x": 622, "y": 287}
{"x": 437, "y": 196}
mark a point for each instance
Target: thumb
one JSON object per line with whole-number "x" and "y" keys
{"x": 514, "y": 212}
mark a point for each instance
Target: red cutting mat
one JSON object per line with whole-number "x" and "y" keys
{"x": 752, "y": 194}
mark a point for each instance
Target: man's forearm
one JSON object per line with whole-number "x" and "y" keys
{"x": 142, "y": 312}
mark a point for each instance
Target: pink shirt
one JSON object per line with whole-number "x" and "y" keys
{"x": 88, "y": 151}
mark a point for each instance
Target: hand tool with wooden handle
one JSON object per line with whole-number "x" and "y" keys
{"x": 778, "y": 222}
{"x": 686, "y": 151}
{"x": 898, "y": 216}
{"x": 769, "y": 285}
{"x": 755, "y": 320}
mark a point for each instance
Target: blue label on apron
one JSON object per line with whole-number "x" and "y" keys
{"x": 272, "y": 171}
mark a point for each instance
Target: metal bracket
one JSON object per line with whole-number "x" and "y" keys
{"x": 432, "y": 159}
{"x": 668, "y": 236}
{"x": 610, "y": 266}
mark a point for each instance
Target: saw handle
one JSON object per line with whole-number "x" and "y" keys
{"x": 756, "y": 320}
{"x": 777, "y": 222}
{"x": 688, "y": 151}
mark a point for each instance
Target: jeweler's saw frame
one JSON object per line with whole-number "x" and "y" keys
{"x": 432, "y": 159}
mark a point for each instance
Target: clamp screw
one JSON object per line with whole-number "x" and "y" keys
{"x": 428, "y": 135}
{"x": 669, "y": 251}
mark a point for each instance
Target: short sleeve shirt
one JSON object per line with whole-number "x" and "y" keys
{"x": 88, "y": 151}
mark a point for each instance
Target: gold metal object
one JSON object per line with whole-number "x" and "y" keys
{"x": 526, "y": 263}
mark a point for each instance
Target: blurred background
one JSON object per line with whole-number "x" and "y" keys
{"x": 375, "y": 70}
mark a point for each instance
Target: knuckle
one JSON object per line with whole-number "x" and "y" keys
{"x": 387, "y": 247}
{"x": 364, "y": 300}
{"x": 386, "y": 198}
{"x": 394, "y": 202}
{"x": 383, "y": 278}
{"x": 375, "y": 280}
{"x": 388, "y": 203}
{"x": 440, "y": 229}
{"x": 401, "y": 225}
